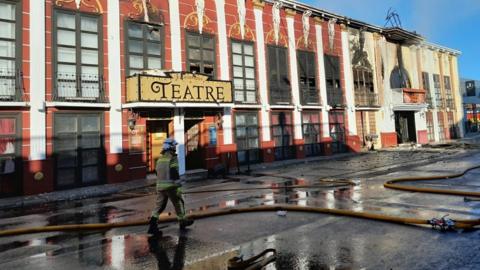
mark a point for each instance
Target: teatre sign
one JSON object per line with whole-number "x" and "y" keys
{"x": 178, "y": 87}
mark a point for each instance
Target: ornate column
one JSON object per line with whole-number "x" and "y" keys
{"x": 349, "y": 91}
{"x": 321, "y": 75}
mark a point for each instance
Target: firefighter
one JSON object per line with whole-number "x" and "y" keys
{"x": 168, "y": 187}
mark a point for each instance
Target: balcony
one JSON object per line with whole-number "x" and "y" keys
{"x": 310, "y": 97}
{"x": 85, "y": 88}
{"x": 366, "y": 99}
{"x": 280, "y": 97}
{"x": 450, "y": 104}
{"x": 407, "y": 99}
{"x": 11, "y": 85}
{"x": 335, "y": 98}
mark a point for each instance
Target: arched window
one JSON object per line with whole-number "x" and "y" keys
{"x": 399, "y": 78}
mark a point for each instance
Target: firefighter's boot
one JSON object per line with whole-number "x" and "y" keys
{"x": 153, "y": 228}
{"x": 184, "y": 223}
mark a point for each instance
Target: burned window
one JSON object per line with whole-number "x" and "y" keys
{"x": 332, "y": 77}
{"x": 144, "y": 47}
{"x": 280, "y": 89}
{"x": 438, "y": 90}
{"x": 201, "y": 54}
{"x": 306, "y": 77}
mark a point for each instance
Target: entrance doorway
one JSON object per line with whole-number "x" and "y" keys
{"x": 282, "y": 132}
{"x": 405, "y": 127}
{"x": 157, "y": 133}
{"x": 194, "y": 155}
{"x": 337, "y": 131}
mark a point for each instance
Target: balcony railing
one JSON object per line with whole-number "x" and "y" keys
{"x": 71, "y": 87}
{"x": 450, "y": 104}
{"x": 366, "y": 99}
{"x": 335, "y": 98}
{"x": 11, "y": 85}
{"x": 280, "y": 97}
{"x": 310, "y": 97}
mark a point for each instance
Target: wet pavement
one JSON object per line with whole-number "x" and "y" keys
{"x": 303, "y": 241}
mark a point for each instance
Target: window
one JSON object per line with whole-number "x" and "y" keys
{"x": 426, "y": 86}
{"x": 441, "y": 126}
{"x": 201, "y": 54}
{"x": 311, "y": 133}
{"x": 364, "y": 89}
{"x": 430, "y": 129}
{"x": 9, "y": 143}
{"x": 243, "y": 63}
{"x": 438, "y": 90}
{"x": 10, "y": 55}
{"x": 246, "y": 136}
{"x": 448, "y": 92}
{"x": 452, "y": 126}
{"x": 306, "y": 77}
{"x": 78, "y": 147}
{"x": 332, "y": 73}
{"x": 337, "y": 131}
{"x": 470, "y": 87}
{"x": 144, "y": 47}
{"x": 77, "y": 55}
{"x": 282, "y": 132}
{"x": 280, "y": 91}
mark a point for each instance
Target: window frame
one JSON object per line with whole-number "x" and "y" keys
{"x": 144, "y": 41}
{"x": 256, "y": 151}
{"x": 79, "y": 160}
{"x": 18, "y": 44}
{"x": 201, "y": 61}
{"x": 313, "y": 58}
{"x": 78, "y": 49}
{"x": 278, "y": 81}
{"x": 438, "y": 90}
{"x": 337, "y": 92}
{"x": 232, "y": 66}
{"x": 18, "y": 134}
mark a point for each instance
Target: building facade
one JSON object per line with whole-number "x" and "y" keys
{"x": 470, "y": 90}
{"x": 89, "y": 89}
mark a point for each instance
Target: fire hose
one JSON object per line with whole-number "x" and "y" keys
{"x": 393, "y": 184}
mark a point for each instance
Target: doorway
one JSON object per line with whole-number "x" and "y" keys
{"x": 405, "y": 127}
{"x": 337, "y": 131}
{"x": 194, "y": 152}
{"x": 157, "y": 131}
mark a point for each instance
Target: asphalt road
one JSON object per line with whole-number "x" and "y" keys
{"x": 302, "y": 241}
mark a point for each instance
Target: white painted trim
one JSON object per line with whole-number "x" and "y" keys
{"x": 114, "y": 77}
{"x": 368, "y": 108}
{"x": 227, "y": 126}
{"x": 247, "y": 106}
{"x": 175, "y": 35}
{"x": 349, "y": 94}
{"x": 179, "y": 135}
{"x": 224, "y": 68}
{"x": 77, "y": 104}
{"x": 297, "y": 115}
{"x": 409, "y": 107}
{"x": 323, "y": 84}
{"x": 262, "y": 73}
{"x": 276, "y": 107}
{"x": 311, "y": 107}
{"x": 174, "y": 105}
{"x": 37, "y": 81}
{"x": 14, "y": 104}
{"x": 222, "y": 40}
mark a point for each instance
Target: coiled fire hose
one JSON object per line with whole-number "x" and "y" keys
{"x": 459, "y": 224}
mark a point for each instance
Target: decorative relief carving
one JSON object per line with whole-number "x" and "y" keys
{"x": 281, "y": 40}
{"x": 200, "y": 4}
{"x": 300, "y": 44}
{"x": 191, "y": 21}
{"x": 95, "y": 5}
{"x": 235, "y": 31}
{"x": 331, "y": 33}
{"x": 242, "y": 11}
{"x": 276, "y": 19}
{"x": 153, "y": 13}
{"x": 306, "y": 26}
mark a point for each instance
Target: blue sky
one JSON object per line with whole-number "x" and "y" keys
{"x": 451, "y": 23}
